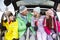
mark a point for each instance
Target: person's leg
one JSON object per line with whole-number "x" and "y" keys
{"x": 44, "y": 36}
{"x": 22, "y": 38}
{"x": 32, "y": 36}
{"x": 39, "y": 36}
{"x": 49, "y": 37}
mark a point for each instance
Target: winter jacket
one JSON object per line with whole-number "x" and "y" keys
{"x": 48, "y": 31}
{"x": 41, "y": 34}
{"x": 12, "y": 30}
{"x": 22, "y": 23}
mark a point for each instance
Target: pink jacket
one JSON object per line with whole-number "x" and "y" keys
{"x": 47, "y": 30}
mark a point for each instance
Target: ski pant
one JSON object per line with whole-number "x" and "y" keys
{"x": 41, "y": 36}
{"x": 31, "y": 36}
{"x": 49, "y": 37}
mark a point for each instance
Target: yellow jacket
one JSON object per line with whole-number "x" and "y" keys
{"x": 12, "y": 30}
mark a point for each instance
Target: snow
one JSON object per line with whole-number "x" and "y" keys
{"x": 58, "y": 14}
{"x": 3, "y": 8}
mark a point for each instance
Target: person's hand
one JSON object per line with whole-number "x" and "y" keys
{"x": 53, "y": 35}
{"x": 35, "y": 28}
{"x": 28, "y": 24}
{"x": 4, "y": 28}
{"x": 51, "y": 12}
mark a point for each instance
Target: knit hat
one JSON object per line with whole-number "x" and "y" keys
{"x": 37, "y": 9}
{"x": 22, "y": 8}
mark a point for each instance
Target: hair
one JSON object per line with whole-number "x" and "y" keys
{"x": 49, "y": 22}
{"x": 2, "y": 19}
{"x": 10, "y": 14}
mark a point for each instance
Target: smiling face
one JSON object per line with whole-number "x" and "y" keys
{"x": 49, "y": 13}
{"x": 36, "y": 14}
{"x": 25, "y": 12}
{"x": 11, "y": 18}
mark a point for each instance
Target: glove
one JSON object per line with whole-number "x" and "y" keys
{"x": 28, "y": 24}
{"x": 53, "y": 35}
{"x": 35, "y": 28}
{"x": 4, "y": 28}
